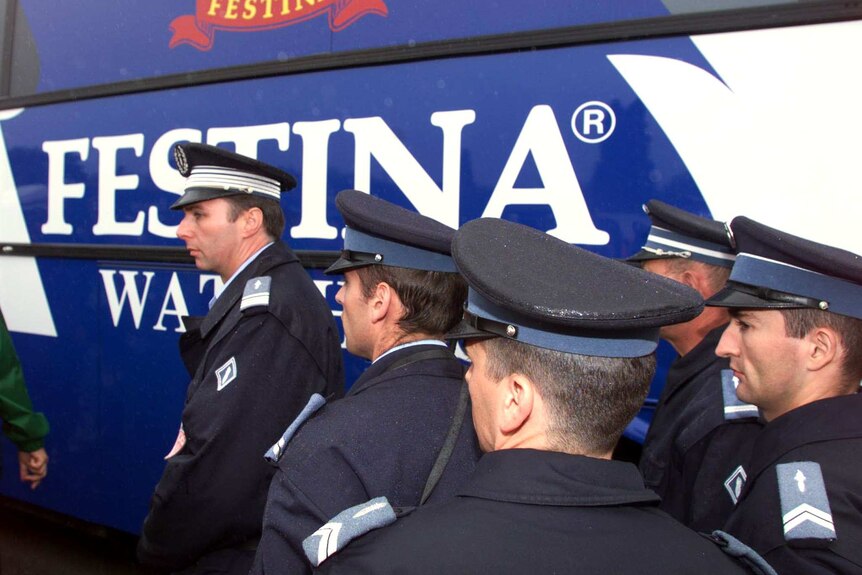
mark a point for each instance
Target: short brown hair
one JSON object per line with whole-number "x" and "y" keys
{"x": 591, "y": 399}
{"x": 717, "y": 275}
{"x": 273, "y": 217}
{"x": 799, "y": 322}
{"x": 433, "y": 301}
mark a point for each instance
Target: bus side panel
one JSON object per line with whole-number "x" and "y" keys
{"x": 569, "y": 140}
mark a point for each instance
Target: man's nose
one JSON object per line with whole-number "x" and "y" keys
{"x": 727, "y": 345}
{"x": 183, "y": 228}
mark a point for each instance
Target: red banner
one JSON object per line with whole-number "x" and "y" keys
{"x": 199, "y": 29}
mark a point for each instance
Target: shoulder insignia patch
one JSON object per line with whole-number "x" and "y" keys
{"x": 226, "y": 374}
{"x": 256, "y": 293}
{"x": 735, "y": 482}
{"x": 315, "y": 402}
{"x": 805, "y": 508}
{"x": 734, "y": 408}
{"x": 345, "y": 527}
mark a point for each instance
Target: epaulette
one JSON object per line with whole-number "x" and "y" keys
{"x": 256, "y": 293}
{"x": 274, "y": 453}
{"x": 742, "y": 552}
{"x": 347, "y": 526}
{"x": 805, "y": 509}
{"x": 734, "y": 408}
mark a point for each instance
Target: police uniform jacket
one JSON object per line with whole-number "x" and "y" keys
{"x": 528, "y": 511}
{"x": 829, "y": 433}
{"x": 382, "y": 439}
{"x": 691, "y": 449}
{"x": 253, "y": 370}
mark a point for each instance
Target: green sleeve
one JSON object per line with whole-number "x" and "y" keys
{"x": 26, "y": 429}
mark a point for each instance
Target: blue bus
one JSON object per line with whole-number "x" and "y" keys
{"x": 565, "y": 116}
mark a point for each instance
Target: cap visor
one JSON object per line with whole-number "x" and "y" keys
{"x": 466, "y": 331}
{"x": 195, "y": 195}
{"x": 342, "y": 265}
{"x": 645, "y": 256}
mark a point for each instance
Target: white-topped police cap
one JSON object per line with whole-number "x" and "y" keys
{"x": 378, "y": 232}
{"x": 676, "y": 233}
{"x": 212, "y": 172}
{"x": 531, "y": 287}
{"x": 777, "y": 270}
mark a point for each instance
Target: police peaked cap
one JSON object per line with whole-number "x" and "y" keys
{"x": 213, "y": 172}
{"x": 676, "y": 233}
{"x": 531, "y": 287}
{"x": 381, "y": 233}
{"x": 776, "y": 270}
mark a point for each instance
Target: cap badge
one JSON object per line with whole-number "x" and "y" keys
{"x": 181, "y": 160}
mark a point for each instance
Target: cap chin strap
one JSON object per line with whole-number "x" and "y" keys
{"x": 490, "y": 326}
{"x": 362, "y": 258}
{"x": 779, "y": 297}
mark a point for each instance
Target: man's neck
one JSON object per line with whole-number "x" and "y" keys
{"x": 244, "y": 253}
{"x": 392, "y": 340}
{"x": 688, "y": 336}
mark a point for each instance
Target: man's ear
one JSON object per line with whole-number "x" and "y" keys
{"x": 252, "y": 220}
{"x": 381, "y": 302}
{"x": 517, "y": 401}
{"x": 824, "y": 347}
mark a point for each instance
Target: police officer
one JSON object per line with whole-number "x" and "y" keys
{"x": 795, "y": 347}
{"x": 700, "y": 429}
{"x": 404, "y": 429}
{"x": 268, "y": 342}
{"x": 561, "y": 343}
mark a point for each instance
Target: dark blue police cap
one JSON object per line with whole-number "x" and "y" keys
{"x": 213, "y": 172}
{"x": 528, "y": 286}
{"x": 676, "y": 233}
{"x": 379, "y": 232}
{"x": 776, "y": 270}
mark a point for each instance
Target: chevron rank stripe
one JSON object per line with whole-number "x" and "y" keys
{"x": 805, "y": 512}
{"x": 345, "y": 527}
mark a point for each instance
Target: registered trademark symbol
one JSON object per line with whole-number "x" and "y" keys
{"x": 593, "y": 122}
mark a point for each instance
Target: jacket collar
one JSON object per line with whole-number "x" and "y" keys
{"x": 823, "y": 420}
{"x": 275, "y": 255}
{"x": 552, "y": 478}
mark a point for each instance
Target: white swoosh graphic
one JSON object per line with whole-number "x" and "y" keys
{"x": 776, "y": 136}
{"x": 22, "y": 295}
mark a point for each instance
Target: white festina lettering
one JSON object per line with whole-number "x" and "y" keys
{"x": 110, "y": 182}
{"x": 541, "y": 137}
{"x": 58, "y": 190}
{"x": 315, "y": 161}
{"x": 179, "y": 309}
{"x": 373, "y": 140}
{"x": 165, "y": 177}
{"x": 129, "y": 294}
